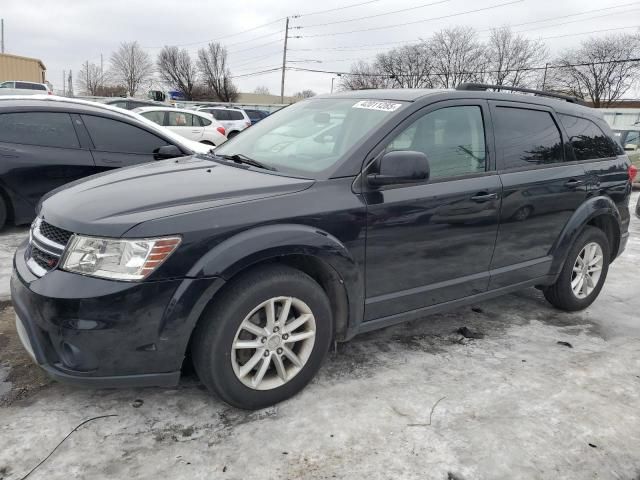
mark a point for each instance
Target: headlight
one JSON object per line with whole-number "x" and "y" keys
{"x": 117, "y": 259}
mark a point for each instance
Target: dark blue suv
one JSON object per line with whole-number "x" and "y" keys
{"x": 335, "y": 216}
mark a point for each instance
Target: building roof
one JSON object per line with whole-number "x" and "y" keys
{"x": 20, "y": 57}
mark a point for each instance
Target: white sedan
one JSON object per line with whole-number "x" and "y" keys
{"x": 197, "y": 126}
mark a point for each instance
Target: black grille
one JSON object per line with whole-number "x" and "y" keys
{"x": 43, "y": 259}
{"x": 54, "y": 234}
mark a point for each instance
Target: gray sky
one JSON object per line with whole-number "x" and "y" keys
{"x": 65, "y": 33}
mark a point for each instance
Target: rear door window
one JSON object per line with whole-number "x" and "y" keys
{"x": 110, "y": 135}
{"x": 587, "y": 139}
{"x": 526, "y": 137}
{"x": 235, "y": 115}
{"x": 181, "y": 119}
{"x": 155, "y": 117}
{"x": 47, "y": 129}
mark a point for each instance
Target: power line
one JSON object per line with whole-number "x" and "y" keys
{"x": 577, "y": 20}
{"x": 375, "y": 46}
{"x": 548, "y": 66}
{"x": 255, "y": 38}
{"x": 254, "y": 47}
{"x": 318, "y": 12}
{"x": 586, "y": 33}
{"x": 417, "y": 21}
{"x": 374, "y": 16}
{"x": 255, "y": 74}
{"x": 543, "y": 38}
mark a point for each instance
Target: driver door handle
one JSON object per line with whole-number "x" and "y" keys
{"x": 573, "y": 183}
{"x": 484, "y": 197}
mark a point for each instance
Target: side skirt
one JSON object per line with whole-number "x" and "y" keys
{"x": 443, "y": 307}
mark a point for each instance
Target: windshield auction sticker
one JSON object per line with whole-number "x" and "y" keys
{"x": 373, "y": 105}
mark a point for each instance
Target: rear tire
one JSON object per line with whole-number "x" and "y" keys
{"x": 583, "y": 274}
{"x": 251, "y": 363}
{"x": 232, "y": 134}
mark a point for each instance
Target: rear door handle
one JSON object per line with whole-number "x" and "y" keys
{"x": 484, "y": 197}
{"x": 573, "y": 183}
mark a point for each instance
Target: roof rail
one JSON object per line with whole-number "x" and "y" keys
{"x": 540, "y": 93}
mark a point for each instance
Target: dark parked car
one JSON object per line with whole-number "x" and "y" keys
{"x": 256, "y": 115}
{"x": 49, "y": 141}
{"x": 253, "y": 262}
{"x": 132, "y": 103}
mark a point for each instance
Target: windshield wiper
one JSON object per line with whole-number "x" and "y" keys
{"x": 241, "y": 158}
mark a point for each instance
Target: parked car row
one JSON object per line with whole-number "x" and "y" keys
{"x": 47, "y": 141}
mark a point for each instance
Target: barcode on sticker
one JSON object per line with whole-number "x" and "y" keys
{"x": 372, "y": 105}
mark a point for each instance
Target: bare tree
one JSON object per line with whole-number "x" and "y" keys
{"x": 511, "y": 57}
{"x": 262, "y": 90}
{"x": 456, "y": 57}
{"x": 131, "y": 66}
{"x": 364, "y": 76}
{"x": 90, "y": 79}
{"x": 305, "y": 94}
{"x": 598, "y": 69}
{"x": 177, "y": 70}
{"x": 409, "y": 66}
{"x": 212, "y": 63}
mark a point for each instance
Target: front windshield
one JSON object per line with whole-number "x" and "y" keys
{"x": 310, "y": 136}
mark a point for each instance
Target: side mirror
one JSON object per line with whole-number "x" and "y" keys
{"x": 402, "y": 166}
{"x": 167, "y": 151}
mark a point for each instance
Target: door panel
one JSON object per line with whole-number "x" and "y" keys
{"x": 542, "y": 187}
{"x": 536, "y": 205}
{"x": 433, "y": 242}
{"x": 30, "y": 171}
{"x": 429, "y": 244}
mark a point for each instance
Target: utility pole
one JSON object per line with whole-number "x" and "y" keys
{"x": 1, "y": 35}
{"x": 70, "y": 87}
{"x": 64, "y": 83}
{"x": 544, "y": 79}
{"x": 284, "y": 59}
{"x": 101, "y": 67}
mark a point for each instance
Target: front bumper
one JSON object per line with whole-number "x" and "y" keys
{"x": 106, "y": 333}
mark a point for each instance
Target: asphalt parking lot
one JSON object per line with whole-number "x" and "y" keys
{"x": 412, "y": 401}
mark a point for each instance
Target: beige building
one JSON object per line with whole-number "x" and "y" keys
{"x": 258, "y": 98}
{"x": 14, "y": 67}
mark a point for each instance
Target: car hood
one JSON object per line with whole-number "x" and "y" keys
{"x": 109, "y": 204}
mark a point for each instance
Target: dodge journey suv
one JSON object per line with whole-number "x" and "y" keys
{"x": 335, "y": 216}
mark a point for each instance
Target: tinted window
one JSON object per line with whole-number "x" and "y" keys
{"x": 119, "y": 104}
{"x": 180, "y": 119}
{"x": 452, "y": 138}
{"x": 235, "y": 115}
{"x": 46, "y": 129}
{"x": 587, "y": 139}
{"x": 6, "y": 85}
{"x": 156, "y": 117}
{"x": 632, "y": 139}
{"x": 527, "y": 137}
{"x": 114, "y": 136}
{"x": 220, "y": 114}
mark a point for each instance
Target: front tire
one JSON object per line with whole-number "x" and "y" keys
{"x": 583, "y": 274}
{"x": 264, "y": 338}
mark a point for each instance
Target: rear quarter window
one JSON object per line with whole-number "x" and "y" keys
{"x": 46, "y": 129}
{"x": 589, "y": 142}
{"x": 235, "y": 115}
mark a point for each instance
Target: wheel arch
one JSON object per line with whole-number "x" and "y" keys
{"x": 317, "y": 253}
{"x": 600, "y": 212}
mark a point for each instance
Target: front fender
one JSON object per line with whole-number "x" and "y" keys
{"x": 593, "y": 207}
{"x": 272, "y": 241}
